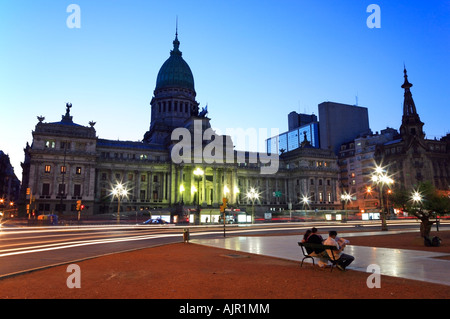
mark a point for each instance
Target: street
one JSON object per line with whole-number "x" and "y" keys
{"x": 28, "y": 248}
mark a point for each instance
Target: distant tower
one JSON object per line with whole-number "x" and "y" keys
{"x": 411, "y": 126}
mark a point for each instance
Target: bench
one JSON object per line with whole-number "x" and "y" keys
{"x": 305, "y": 246}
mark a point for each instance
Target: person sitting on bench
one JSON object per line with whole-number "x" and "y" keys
{"x": 343, "y": 260}
{"x": 315, "y": 238}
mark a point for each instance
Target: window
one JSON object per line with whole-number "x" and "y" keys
{"x": 143, "y": 178}
{"x": 64, "y": 145}
{"x": 46, "y": 189}
{"x": 77, "y": 190}
{"x": 130, "y": 176}
{"x": 61, "y": 189}
{"x": 63, "y": 169}
{"x": 78, "y": 170}
{"x": 50, "y": 144}
{"x": 48, "y": 168}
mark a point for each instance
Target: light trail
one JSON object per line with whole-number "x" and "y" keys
{"x": 65, "y": 245}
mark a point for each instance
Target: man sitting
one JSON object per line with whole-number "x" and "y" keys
{"x": 343, "y": 260}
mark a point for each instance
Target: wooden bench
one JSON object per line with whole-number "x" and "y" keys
{"x": 313, "y": 247}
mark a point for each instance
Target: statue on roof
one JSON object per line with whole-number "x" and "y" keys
{"x": 203, "y": 112}
{"x": 67, "y": 117}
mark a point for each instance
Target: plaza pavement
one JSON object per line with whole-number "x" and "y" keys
{"x": 402, "y": 263}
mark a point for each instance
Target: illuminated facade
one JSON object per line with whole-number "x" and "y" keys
{"x": 67, "y": 162}
{"x": 412, "y": 158}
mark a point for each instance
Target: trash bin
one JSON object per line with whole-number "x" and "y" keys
{"x": 186, "y": 235}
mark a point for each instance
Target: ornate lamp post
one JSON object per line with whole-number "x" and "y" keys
{"x": 198, "y": 176}
{"x": 305, "y": 202}
{"x": 119, "y": 191}
{"x": 346, "y": 197}
{"x": 181, "y": 193}
{"x": 252, "y": 195}
{"x": 381, "y": 178}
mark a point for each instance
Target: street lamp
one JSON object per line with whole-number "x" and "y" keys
{"x": 346, "y": 197}
{"x": 198, "y": 175}
{"x": 381, "y": 178}
{"x": 416, "y": 197}
{"x": 305, "y": 202}
{"x": 252, "y": 195}
{"x": 118, "y": 192}
{"x": 182, "y": 192}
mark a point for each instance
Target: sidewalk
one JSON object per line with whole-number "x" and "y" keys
{"x": 401, "y": 263}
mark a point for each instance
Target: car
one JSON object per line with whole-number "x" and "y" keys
{"x": 155, "y": 221}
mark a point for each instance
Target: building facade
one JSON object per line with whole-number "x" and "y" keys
{"x": 341, "y": 123}
{"x": 357, "y": 165}
{"x": 412, "y": 158}
{"x": 67, "y": 162}
{"x": 9, "y": 187}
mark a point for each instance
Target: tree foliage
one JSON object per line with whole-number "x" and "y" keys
{"x": 424, "y": 202}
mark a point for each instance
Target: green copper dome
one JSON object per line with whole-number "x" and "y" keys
{"x": 175, "y": 72}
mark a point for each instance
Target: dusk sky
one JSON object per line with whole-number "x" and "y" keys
{"x": 253, "y": 62}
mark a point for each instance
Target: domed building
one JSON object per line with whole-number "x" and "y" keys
{"x": 62, "y": 167}
{"x": 174, "y": 97}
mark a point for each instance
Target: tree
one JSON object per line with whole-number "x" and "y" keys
{"x": 425, "y": 203}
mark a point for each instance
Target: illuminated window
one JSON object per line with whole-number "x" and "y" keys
{"x": 48, "y": 168}
{"x": 78, "y": 170}
{"x": 50, "y": 144}
{"x": 63, "y": 169}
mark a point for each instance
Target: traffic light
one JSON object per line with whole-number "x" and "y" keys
{"x": 222, "y": 207}
{"x": 82, "y": 207}
{"x": 78, "y": 205}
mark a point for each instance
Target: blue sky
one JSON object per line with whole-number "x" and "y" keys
{"x": 253, "y": 62}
